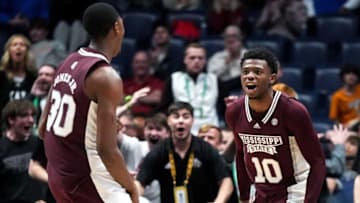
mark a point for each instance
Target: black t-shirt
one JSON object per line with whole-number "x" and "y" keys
{"x": 16, "y": 184}
{"x": 209, "y": 169}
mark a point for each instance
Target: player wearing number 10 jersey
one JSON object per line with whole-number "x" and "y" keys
{"x": 79, "y": 124}
{"x": 277, "y": 147}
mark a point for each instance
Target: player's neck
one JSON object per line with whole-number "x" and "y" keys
{"x": 102, "y": 49}
{"x": 263, "y": 103}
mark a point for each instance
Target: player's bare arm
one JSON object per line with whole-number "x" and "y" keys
{"x": 104, "y": 86}
{"x": 44, "y": 115}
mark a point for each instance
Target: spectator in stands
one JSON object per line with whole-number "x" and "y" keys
{"x": 223, "y": 13}
{"x": 342, "y": 187}
{"x": 227, "y": 139}
{"x": 17, "y": 145}
{"x": 41, "y": 86}
{"x": 128, "y": 125}
{"x": 283, "y": 18}
{"x": 345, "y": 102}
{"x": 202, "y": 90}
{"x": 17, "y": 72}
{"x": 187, "y": 168}
{"x": 282, "y": 87}
{"x": 37, "y": 170}
{"x": 72, "y": 35}
{"x": 18, "y": 13}
{"x": 141, "y": 78}
{"x": 156, "y": 129}
{"x": 211, "y": 134}
{"x": 161, "y": 61}
{"x": 350, "y": 6}
{"x": 172, "y": 5}
{"x": 45, "y": 50}
{"x": 356, "y": 168}
{"x": 331, "y": 7}
{"x": 225, "y": 64}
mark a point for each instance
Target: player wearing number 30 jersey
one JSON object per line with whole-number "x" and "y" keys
{"x": 79, "y": 124}
{"x": 277, "y": 147}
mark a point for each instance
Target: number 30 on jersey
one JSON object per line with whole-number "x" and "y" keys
{"x": 62, "y": 114}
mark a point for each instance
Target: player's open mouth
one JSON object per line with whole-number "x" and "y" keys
{"x": 251, "y": 87}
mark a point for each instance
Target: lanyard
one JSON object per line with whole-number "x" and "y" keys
{"x": 189, "y": 166}
{"x": 187, "y": 88}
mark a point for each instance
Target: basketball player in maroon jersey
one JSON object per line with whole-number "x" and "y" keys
{"x": 277, "y": 148}
{"x": 79, "y": 124}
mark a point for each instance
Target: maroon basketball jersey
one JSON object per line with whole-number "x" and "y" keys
{"x": 71, "y": 128}
{"x": 277, "y": 150}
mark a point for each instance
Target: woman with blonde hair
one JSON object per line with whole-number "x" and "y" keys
{"x": 17, "y": 70}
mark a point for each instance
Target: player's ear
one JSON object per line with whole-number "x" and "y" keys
{"x": 118, "y": 26}
{"x": 273, "y": 78}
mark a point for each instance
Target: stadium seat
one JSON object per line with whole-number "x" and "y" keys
{"x": 321, "y": 127}
{"x": 309, "y": 101}
{"x": 139, "y": 25}
{"x": 122, "y": 62}
{"x": 275, "y": 46}
{"x": 212, "y": 46}
{"x": 327, "y": 80}
{"x": 176, "y": 54}
{"x": 293, "y": 77}
{"x": 350, "y": 53}
{"x": 309, "y": 54}
{"x": 332, "y": 29}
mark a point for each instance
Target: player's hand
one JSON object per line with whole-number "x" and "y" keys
{"x": 134, "y": 196}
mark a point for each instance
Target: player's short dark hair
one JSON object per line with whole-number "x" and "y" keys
{"x": 262, "y": 54}
{"x": 98, "y": 19}
{"x": 16, "y": 108}
{"x": 178, "y": 105}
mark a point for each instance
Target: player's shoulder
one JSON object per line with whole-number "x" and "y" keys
{"x": 291, "y": 105}
{"x": 236, "y": 105}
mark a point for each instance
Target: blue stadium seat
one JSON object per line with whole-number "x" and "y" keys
{"x": 273, "y": 45}
{"x": 122, "y": 62}
{"x": 321, "y": 127}
{"x": 350, "y": 53}
{"x": 176, "y": 53}
{"x": 331, "y": 29}
{"x": 309, "y": 54}
{"x": 309, "y": 101}
{"x": 327, "y": 80}
{"x": 139, "y": 25}
{"x": 212, "y": 46}
{"x": 293, "y": 77}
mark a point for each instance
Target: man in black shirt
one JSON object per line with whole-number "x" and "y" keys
{"x": 189, "y": 169}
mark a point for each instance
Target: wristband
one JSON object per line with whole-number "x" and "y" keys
{"x": 127, "y": 99}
